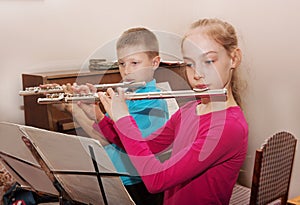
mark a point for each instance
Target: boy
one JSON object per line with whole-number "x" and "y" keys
{"x": 138, "y": 58}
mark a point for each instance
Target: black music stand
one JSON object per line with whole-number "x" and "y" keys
{"x": 66, "y": 166}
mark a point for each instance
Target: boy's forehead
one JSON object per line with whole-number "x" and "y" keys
{"x": 130, "y": 50}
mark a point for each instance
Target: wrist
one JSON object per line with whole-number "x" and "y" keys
{"x": 120, "y": 115}
{"x": 99, "y": 117}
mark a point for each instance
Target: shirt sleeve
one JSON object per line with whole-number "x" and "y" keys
{"x": 106, "y": 128}
{"x": 182, "y": 166}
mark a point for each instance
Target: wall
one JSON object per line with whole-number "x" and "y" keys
{"x": 43, "y": 35}
{"x": 269, "y": 37}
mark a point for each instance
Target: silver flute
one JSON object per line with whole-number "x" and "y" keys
{"x": 216, "y": 95}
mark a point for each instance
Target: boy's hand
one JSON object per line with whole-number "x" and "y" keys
{"x": 92, "y": 111}
{"x": 66, "y": 89}
{"x": 84, "y": 89}
{"x": 114, "y": 105}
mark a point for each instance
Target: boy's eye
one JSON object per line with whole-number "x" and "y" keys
{"x": 121, "y": 64}
{"x": 134, "y": 62}
{"x": 190, "y": 65}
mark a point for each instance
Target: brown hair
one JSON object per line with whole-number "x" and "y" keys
{"x": 224, "y": 34}
{"x": 139, "y": 37}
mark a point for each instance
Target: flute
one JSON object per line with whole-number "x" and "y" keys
{"x": 59, "y": 89}
{"x": 215, "y": 95}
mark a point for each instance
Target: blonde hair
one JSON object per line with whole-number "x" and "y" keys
{"x": 224, "y": 34}
{"x": 139, "y": 37}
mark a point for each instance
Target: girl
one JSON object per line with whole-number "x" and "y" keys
{"x": 208, "y": 138}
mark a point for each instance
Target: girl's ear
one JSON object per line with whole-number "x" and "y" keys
{"x": 236, "y": 58}
{"x": 156, "y": 62}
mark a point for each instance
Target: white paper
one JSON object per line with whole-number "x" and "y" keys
{"x": 63, "y": 152}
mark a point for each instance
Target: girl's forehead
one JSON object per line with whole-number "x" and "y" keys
{"x": 199, "y": 42}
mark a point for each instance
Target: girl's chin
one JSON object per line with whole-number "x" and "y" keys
{"x": 129, "y": 80}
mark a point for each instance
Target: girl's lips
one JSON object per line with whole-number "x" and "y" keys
{"x": 201, "y": 86}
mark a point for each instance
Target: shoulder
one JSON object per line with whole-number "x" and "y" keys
{"x": 236, "y": 126}
{"x": 228, "y": 124}
{"x": 149, "y": 87}
{"x": 236, "y": 115}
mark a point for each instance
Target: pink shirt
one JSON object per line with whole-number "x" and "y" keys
{"x": 207, "y": 154}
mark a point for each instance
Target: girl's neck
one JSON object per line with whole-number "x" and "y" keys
{"x": 207, "y": 106}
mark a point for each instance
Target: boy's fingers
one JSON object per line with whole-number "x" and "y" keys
{"x": 92, "y": 88}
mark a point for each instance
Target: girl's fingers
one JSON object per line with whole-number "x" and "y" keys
{"x": 121, "y": 92}
{"x": 110, "y": 92}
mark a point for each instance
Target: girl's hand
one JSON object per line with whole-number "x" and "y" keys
{"x": 114, "y": 104}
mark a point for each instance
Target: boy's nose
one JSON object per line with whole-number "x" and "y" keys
{"x": 126, "y": 70}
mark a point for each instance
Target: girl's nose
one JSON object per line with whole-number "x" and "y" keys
{"x": 198, "y": 75}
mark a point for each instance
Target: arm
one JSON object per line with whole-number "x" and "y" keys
{"x": 184, "y": 165}
{"x": 142, "y": 109}
{"x": 105, "y": 128}
{"x": 150, "y": 115}
{"x": 86, "y": 124}
{"x": 95, "y": 122}
{"x": 86, "y": 114}
{"x": 158, "y": 141}
{"x": 209, "y": 147}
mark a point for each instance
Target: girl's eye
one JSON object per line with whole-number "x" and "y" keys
{"x": 134, "y": 63}
{"x": 209, "y": 61}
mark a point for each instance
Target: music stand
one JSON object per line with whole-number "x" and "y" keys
{"x": 75, "y": 169}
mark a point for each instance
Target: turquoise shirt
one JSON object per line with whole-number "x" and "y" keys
{"x": 149, "y": 116}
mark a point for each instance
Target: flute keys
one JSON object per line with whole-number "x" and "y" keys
{"x": 39, "y": 90}
{"x": 53, "y": 95}
{"x": 32, "y": 89}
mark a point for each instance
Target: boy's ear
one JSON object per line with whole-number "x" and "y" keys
{"x": 156, "y": 62}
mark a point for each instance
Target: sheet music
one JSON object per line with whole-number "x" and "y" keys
{"x": 63, "y": 152}
{"x": 171, "y": 102}
{"x": 172, "y": 108}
